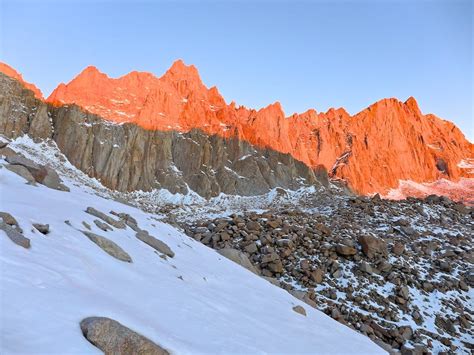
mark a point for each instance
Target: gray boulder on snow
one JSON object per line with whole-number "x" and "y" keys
{"x": 45, "y": 175}
{"x": 112, "y": 337}
{"x": 23, "y": 172}
{"x": 15, "y": 235}
{"x": 117, "y": 224}
{"x": 108, "y": 246}
{"x": 160, "y": 246}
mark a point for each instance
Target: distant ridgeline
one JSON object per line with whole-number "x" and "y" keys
{"x": 143, "y": 132}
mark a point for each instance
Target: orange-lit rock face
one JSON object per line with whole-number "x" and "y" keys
{"x": 373, "y": 150}
{"x": 6, "y": 69}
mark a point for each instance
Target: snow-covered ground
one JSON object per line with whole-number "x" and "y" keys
{"x": 196, "y": 302}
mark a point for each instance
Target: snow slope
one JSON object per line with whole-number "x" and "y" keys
{"x": 196, "y": 302}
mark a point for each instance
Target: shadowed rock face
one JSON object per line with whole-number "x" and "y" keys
{"x": 127, "y": 157}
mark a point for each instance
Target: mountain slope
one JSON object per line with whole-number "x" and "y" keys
{"x": 373, "y": 150}
{"x": 194, "y": 302}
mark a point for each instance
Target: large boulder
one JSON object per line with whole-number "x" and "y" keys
{"x": 43, "y": 174}
{"x": 52, "y": 180}
{"x": 372, "y": 246}
{"x": 112, "y": 337}
{"x": 239, "y": 258}
{"x": 109, "y": 246}
{"x": 27, "y": 163}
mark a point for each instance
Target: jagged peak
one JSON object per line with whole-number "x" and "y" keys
{"x": 181, "y": 70}
{"x": 9, "y": 71}
{"x": 413, "y": 105}
{"x": 274, "y": 108}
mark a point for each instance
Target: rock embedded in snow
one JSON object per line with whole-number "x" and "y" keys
{"x": 109, "y": 246}
{"x": 14, "y": 235}
{"x": 102, "y": 225}
{"x": 117, "y": 224}
{"x": 52, "y": 180}
{"x": 42, "y": 228}
{"x": 155, "y": 243}
{"x": 45, "y": 175}
{"x": 22, "y": 171}
{"x": 300, "y": 310}
{"x": 113, "y": 337}
{"x": 9, "y": 219}
{"x": 239, "y": 258}
{"x": 129, "y": 220}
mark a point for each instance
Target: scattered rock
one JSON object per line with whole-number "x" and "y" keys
{"x": 160, "y": 246}
{"x": 15, "y": 236}
{"x": 42, "y": 228}
{"x": 317, "y": 276}
{"x": 371, "y": 246}
{"x": 112, "y": 337}
{"x": 300, "y": 310}
{"x": 365, "y": 267}
{"x": 102, "y": 225}
{"x": 398, "y": 248}
{"x": 109, "y": 246}
{"x": 345, "y": 250}
{"x": 87, "y": 225}
{"x": 117, "y": 224}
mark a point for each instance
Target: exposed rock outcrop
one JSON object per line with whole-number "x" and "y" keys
{"x": 114, "y": 338}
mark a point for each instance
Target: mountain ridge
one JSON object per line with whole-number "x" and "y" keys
{"x": 373, "y": 150}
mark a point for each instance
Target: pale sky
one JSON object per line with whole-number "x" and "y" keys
{"x": 305, "y": 54}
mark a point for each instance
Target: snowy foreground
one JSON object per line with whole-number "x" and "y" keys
{"x": 196, "y": 302}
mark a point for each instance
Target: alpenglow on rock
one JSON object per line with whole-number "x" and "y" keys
{"x": 128, "y": 157}
{"x": 378, "y": 150}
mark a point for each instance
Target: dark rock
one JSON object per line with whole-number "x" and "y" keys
{"x": 42, "y": 228}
